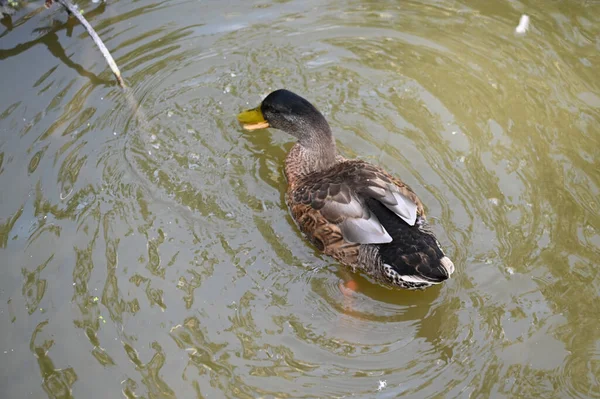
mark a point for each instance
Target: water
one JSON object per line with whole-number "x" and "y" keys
{"x": 158, "y": 259}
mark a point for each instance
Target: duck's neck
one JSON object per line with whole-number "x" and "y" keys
{"x": 309, "y": 157}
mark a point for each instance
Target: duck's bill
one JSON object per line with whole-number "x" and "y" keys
{"x": 253, "y": 119}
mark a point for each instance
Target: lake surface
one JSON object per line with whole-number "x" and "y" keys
{"x": 150, "y": 253}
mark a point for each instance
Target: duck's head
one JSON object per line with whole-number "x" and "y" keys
{"x": 289, "y": 112}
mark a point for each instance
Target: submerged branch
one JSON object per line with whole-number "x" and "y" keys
{"x": 109, "y": 59}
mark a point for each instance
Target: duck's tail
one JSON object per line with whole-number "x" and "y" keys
{"x": 414, "y": 258}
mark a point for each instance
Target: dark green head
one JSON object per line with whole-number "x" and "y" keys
{"x": 289, "y": 112}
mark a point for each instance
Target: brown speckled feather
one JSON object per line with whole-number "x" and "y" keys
{"x": 345, "y": 179}
{"x": 312, "y": 198}
{"x": 326, "y": 236}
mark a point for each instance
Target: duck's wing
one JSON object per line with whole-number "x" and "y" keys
{"x": 339, "y": 197}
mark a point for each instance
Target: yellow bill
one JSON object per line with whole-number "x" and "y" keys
{"x": 253, "y": 119}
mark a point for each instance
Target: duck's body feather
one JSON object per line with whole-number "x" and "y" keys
{"x": 365, "y": 218}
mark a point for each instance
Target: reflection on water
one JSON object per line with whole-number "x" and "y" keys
{"x": 155, "y": 257}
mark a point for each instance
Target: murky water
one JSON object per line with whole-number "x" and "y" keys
{"x": 159, "y": 259}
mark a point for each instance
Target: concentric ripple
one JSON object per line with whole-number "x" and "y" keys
{"x": 147, "y": 250}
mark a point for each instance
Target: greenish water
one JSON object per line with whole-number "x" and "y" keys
{"x": 160, "y": 261}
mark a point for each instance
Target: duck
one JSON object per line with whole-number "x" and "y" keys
{"x": 349, "y": 209}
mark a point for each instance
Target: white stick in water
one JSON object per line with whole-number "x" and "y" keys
{"x": 523, "y": 24}
{"x": 109, "y": 59}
